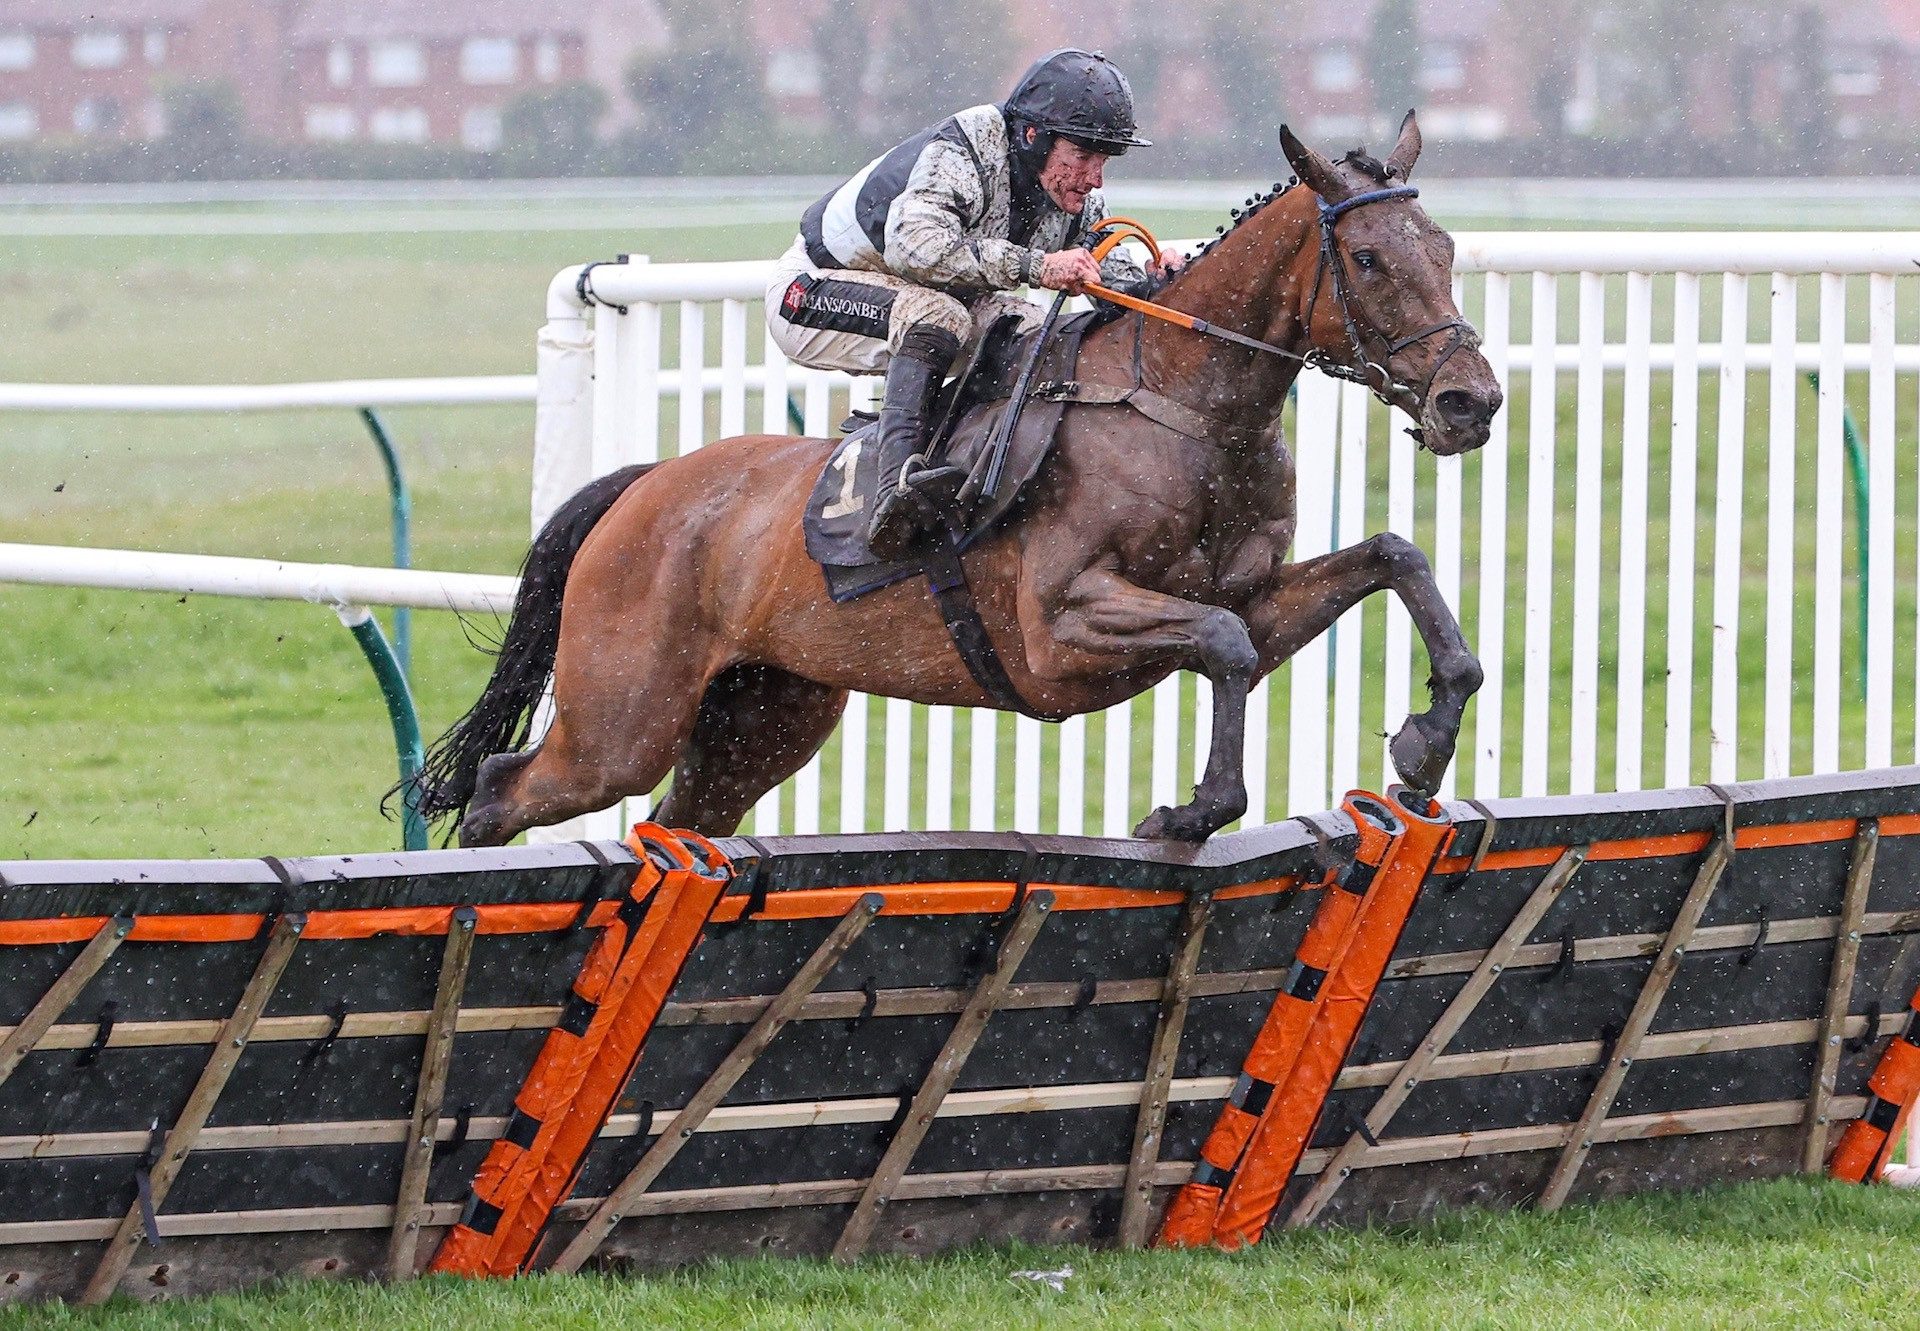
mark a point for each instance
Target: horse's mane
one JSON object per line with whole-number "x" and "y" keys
{"x": 1360, "y": 159}
{"x": 1239, "y": 217}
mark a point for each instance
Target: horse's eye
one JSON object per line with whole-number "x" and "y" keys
{"x": 1366, "y": 260}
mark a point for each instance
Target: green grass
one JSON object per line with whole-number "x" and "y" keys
{"x": 137, "y": 725}
{"x": 1784, "y": 1254}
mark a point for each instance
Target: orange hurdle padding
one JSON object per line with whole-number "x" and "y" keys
{"x": 683, "y": 919}
{"x": 1190, "y": 1217}
{"x": 511, "y": 1193}
{"x": 1287, "y": 1125}
{"x": 1867, "y": 1144}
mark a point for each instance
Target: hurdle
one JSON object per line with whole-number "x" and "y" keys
{"x": 641, "y": 1053}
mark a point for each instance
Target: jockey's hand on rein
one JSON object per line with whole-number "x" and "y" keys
{"x": 1068, "y": 270}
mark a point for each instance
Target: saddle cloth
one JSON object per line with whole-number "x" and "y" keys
{"x": 836, "y": 515}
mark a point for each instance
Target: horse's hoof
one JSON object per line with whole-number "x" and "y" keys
{"x": 1186, "y": 823}
{"x": 1420, "y": 755}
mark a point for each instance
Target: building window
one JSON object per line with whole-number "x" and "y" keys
{"x": 100, "y": 48}
{"x": 480, "y": 128}
{"x": 153, "y": 118}
{"x": 1443, "y": 67}
{"x": 1853, "y": 74}
{"x": 154, "y": 46}
{"x": 793, "y": 71}
{"x": 398, "y": 64}
{"x": 1334, "y": 69}
{"x": 398, "y": 124}
{"x": 331, "y": 124}
{"x": 96, "y": 115}
{"x": 546, "y": 59}
{"x": 489, "y": 60}
{"x": 16, "y": 50}
{"x": 18, "y": 120}
{"x": 339, "y": 65}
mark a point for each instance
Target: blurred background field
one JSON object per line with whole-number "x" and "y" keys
{"x": 134, "y": 724}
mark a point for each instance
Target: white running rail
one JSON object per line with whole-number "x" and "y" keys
{"x": 1657, "y": 598}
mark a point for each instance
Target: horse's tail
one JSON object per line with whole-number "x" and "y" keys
{"x": 499, "y": 722}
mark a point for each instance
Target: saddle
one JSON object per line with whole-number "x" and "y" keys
{"x": 998, "y": 471}
{"x": 965, "y": 419}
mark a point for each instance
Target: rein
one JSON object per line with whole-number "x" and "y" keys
{"x": 1330, "y": 262}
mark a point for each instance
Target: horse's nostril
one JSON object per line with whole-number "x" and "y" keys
{"x": 1459, "y": 407}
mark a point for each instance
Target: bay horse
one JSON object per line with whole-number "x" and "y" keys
{"x": 685, "y": 628}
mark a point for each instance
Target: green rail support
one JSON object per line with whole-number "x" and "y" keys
{"x": 401, "y": 504}
{"x": 400, "y": 712}
{"x": 1857, "y": 464}
{"x": 795, "y": 416}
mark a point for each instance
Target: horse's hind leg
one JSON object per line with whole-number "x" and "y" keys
{"x": 757, "y": 726}
{"x": 608, "y": 740}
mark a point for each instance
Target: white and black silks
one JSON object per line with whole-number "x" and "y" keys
{"x": 951, "y": 209}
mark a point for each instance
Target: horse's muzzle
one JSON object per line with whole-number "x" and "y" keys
{"x": 1459, "y": 417}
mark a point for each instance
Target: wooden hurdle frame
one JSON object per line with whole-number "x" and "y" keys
{"x": 1064, "y": 1020}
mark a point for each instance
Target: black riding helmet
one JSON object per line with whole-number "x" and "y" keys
{"x": 1081, "y": 95}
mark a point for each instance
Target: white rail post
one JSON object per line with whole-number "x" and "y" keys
{"x": 1783, "y": 387}
{"x": 619, "y": 356}
{"x": 1116, "y": 795}
{"x": 1163, "y": 761}
{"x": 693, "y": 364}
{"x": 1541, "y": 423}
{"x": 1683, "y": 483}
{"x": 1829, "y": 524}
{"x": 1729, "y": 471}
{"x": 983, "y": 767}
{"x": 1589, "y": 443}
{"x": 1397, "y": 685}
{"x": 733, "y": 368}
{"x": 940, "y": 760}
{"x": 1447, "y": 481}
{"x": 1026, "y": 774}
{"x": 1880, "y": 509}
{"x": 1496, "y": 329}
{"x": 1348, "y": 651}
{"x": 563, "y": 401}
{"x": 1071, "y": 818}
{"x": 1636, "y": 422}
{"x": 1315, "y": 456}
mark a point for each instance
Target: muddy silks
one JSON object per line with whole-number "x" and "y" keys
{"x": 1867, "y": 1144}
{"x": 588, "y": 1054}
{"x": 1190, "y": 1217}
{"x": 1297, "y": 1101}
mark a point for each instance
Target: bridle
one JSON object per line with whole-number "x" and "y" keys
{"x": 1332, "y": 264}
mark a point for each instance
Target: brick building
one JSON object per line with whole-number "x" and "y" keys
{"x": 395, "y": 71}
{"x": 94, "y": 70}
{"x": 441, "y": 71}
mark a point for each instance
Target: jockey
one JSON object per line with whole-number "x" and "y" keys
{"x": 922, "y": 250}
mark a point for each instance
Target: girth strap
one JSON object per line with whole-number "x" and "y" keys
{"x": 947, "y": 580}
{"x": 1156, "y": 407}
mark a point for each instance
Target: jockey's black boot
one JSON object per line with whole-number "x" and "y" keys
{"x": 904, "y": 506}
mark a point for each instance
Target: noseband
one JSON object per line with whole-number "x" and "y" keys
{"x": 1332, "y": 264}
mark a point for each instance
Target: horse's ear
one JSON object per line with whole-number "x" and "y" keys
{"x": 1406, "y": 152}
{"x": 1315, "y": 171}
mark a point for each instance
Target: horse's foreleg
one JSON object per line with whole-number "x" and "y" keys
{"x": 1312, "y": 594}
{"x": 1103, "y": 613}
